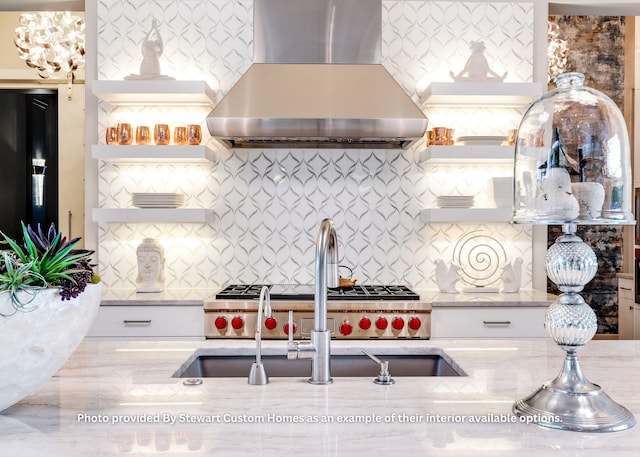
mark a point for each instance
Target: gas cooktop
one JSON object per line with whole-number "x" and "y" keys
{"x": 307, "y": 291}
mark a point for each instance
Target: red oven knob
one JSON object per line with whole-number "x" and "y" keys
{"x": 270, "y": 323}
{"x": 365, "y": 323}
{"x": 346, "y": 328}
{"x": 397, "y": 323}
{"x": 414, "y": 323}
{"x": 220, "y": 322}
{"x": 381, "y": 323}
{"x": 285, "y": 327}
{"x": 237, "y": 323}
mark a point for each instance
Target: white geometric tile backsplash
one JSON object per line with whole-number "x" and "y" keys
{"x": 422, "y": 41}
{"x": 268, "y": 203}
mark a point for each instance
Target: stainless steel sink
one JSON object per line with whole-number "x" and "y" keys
{"x": 345, "y": 363}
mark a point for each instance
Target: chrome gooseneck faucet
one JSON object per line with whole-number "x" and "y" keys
{"x": 326, "y": 266}
{"x": 257, "y": 375}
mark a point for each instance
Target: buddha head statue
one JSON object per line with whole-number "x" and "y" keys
{"x": 150, "y": 255}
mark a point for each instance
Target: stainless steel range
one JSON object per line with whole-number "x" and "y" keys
{"x": 358, "y": 312}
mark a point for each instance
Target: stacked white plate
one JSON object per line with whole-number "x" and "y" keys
{"x": 455, "y": 201}
{"x": 157, "y": 200}
{"x": 480, "y": 140}
{"x": 502, "y": 191}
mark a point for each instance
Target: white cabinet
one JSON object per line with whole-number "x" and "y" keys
{"x": 636, "y": 321}
{"x": 148, "y": 321}
{"x": 488, "y": 322}
{"x": 625, "y": 309}
{"x": 474, "y": 96}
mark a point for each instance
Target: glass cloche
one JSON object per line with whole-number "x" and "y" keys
{"x": 572, "y": 159}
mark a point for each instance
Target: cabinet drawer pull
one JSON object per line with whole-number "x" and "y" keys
{"x": 497, "y": 323}
{"x": 624, "y": 288}
{"x": 141, "y": 322}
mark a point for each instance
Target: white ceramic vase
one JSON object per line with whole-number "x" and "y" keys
{"x": 35, "y": 344}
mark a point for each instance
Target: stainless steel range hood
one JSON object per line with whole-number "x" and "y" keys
{"x": 317, "y": 82}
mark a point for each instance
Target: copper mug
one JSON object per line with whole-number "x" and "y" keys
{"x": 450, "y": 136}
{"x": 161, "y": 134}
{"x": 180, "y": 135}
{"x": 125, "y": 134}
{"x": 440, "y": 136}
{"x": 194, "y": 134}
{"x": 430, "y": 138}
{"x": 142, "y": 135}
{"x": 111, "y": 136}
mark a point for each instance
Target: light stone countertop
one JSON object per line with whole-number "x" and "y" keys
{"x": 428, "y": 298}
{"x": 524, "y": 297}
{"x": 169, "y": 297}
{"x": 72, "y": 414}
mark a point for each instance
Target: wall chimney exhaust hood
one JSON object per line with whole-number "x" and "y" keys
{"x": 317, "y": 82}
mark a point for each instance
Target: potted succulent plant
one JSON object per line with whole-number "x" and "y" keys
{"x": 49, "y": 297}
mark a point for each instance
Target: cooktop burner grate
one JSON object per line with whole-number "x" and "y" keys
{"x": 306, "y": 292}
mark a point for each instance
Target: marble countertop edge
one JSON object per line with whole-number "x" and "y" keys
{"x": 129, "y": 384}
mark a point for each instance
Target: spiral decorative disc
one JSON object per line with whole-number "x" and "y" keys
{"x": 480, "y": 258}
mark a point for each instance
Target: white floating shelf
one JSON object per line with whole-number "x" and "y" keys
{"x": 447, "y": 154}
{"x": 152, "y": 153}
{"x": 466, "y": 214}
{"x": 178, "y": 215}
{"x": 482, "y": 93}
{"x": 154, "y": 92}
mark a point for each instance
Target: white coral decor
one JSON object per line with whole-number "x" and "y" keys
{"x": 557, "y": 201}
{"x": 35, "y": 344}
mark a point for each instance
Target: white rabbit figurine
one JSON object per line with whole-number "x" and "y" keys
{"x": 512, "y": 276}
{"x": 447, "y": 277}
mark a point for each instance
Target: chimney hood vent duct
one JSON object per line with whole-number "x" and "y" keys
{"x": 317, "y": 82}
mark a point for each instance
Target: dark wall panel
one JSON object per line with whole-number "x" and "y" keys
{"x": 28, "y": 130}
{"x": 596, "y": 48}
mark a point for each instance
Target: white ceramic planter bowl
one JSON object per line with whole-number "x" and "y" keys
{"x": 35, "y": 344}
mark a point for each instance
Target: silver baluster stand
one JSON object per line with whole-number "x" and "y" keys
{"x": 570, "y": 401}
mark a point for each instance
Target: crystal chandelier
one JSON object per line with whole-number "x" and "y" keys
{"x": 52, "y": 42}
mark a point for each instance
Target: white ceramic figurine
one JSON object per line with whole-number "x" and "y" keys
{"x": 512, "y": 276}
{"x": 150, "y": 254}
{"x": 152, "y": 49}
{"x": 477, "y": 68}
{"x": 447, "y": 277}
{"x": 557, "y": 201}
